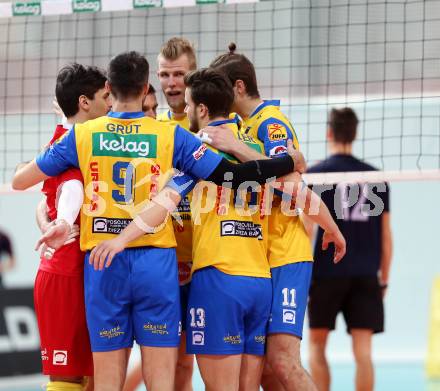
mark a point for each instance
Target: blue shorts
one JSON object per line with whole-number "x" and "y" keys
{"x": 227, "y": 314}
{"x": 291, "y": 285}
{"x": 136, "y": 298}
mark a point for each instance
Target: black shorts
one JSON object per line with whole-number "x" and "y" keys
{"x": 358, "y": 298}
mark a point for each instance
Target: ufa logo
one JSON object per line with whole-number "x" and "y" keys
{"x": 276, "y": 132}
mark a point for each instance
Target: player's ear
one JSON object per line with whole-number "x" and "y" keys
{"x": 329, "y": 135}
{"x": 203, "y": 110}
{"x": 83, "y": 103}
{"x": 239, "y": 87}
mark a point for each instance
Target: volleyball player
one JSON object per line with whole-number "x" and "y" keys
{"x": 176, "y": 58}
{"x": 355, "y": 287}
{"x": 59, "y": 292}
{"x": 290, "y": 254}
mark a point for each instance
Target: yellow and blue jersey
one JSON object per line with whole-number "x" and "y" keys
{"x": 167, "y": 116}
{"x": 182, "y": 229}
{"x": 125, "y": 159}
{"x": 233, "y": 236}
{"x": 288, "y": 239}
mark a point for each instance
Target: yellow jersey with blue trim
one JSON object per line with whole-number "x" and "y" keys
{"x": 288, "y": 239}
{"x": 182, "y": 230}
{"x": 125, "y": 159}
{"x": 167, "y": 116}
{"x": 229, "y": 228}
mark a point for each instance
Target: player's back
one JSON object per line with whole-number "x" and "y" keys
{"x": 125, "y": 158}
{"x": 232, "y": 236}
{"x": 288, "y": 239}
{"x": 350, "y": 205}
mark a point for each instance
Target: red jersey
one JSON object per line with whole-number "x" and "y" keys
{"x": 68, "y": 260}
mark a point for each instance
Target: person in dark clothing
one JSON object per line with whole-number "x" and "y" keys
{"x": 7, "y": 260}
{"x": 357, "y": 286}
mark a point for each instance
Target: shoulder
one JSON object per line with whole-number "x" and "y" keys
{"x": 163, "y": 117}
{"x": 321, "y": 166}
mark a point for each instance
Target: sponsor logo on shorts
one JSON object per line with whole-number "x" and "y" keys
{"x": 111, "y": 333}
{"x": 232, "y": 339}
{"x": 133, "y": 145}
{"x": 179, "y": 333}
{"x": 198, "y": 338}
{"x": 244, "y": 229}
{"x": 289, "y": 316}
{"x": 44, "y": 356}
{"x": 276, "y": 132}
{"x": 110, "y": 226}
{"x": 59, "y": 357}
{"x": 260, "y": 339}
{"x": 278, "y": 150}
{"x": 198, "y": 154}
{"x": 158, "y": 329}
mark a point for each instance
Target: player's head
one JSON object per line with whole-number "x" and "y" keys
{"x": 128, "y": 76}
{"x": 208, "y": 95}
{"x": 81, "y": 89}
{"x": 149, "y": 105}
{"x": 342, "y": 126}
{"x": 241, "y": 73}
{"x": 176, "y": 58}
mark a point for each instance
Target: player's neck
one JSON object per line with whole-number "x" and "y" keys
{"x": 340, "y": 149}
{"x": 248, "y": 106}
{"x": 127, "y": 107}
{"x": 214, "y": 119}
{"x": 177, "y": 116}
{"x": 78, "y": 118}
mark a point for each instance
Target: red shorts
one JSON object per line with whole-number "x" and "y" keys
{"x": 59, "y": 305}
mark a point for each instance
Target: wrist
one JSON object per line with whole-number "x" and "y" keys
{"x": 63, "y": 223}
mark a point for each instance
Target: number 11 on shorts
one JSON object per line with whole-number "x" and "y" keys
{"x": 289, "y": 297}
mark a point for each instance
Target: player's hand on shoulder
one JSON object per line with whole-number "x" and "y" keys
{"x": 298, "y": 158}
{"x": 54, "y": 237}
{"x": 103, "y": 254}
{"x": 220, "y": 137}
{"x": 338, "y": 240}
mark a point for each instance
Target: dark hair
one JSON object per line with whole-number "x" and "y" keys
{"x": 343, "y": 123}
{"x": 212, "y": 89}
{"x": 74, "y": 80}
{"x": 237, "y": 67}
{"x": 151, "y": 89}
{"x": 127, "y": 74}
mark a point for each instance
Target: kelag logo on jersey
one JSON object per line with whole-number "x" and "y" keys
{"x": 117, "y": 145}
{"x": 276, "y": 132}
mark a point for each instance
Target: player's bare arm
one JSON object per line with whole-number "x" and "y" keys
{"x": 387, "y": 252}
{"x": 28, "y": 176}
{"x": 221, "y": 138}
{"x": 153, "y": 215}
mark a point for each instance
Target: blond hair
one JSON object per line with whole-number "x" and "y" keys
{"x": 176, "y": 47}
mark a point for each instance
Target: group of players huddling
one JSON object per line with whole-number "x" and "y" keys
{"x": 234, "y": 290}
